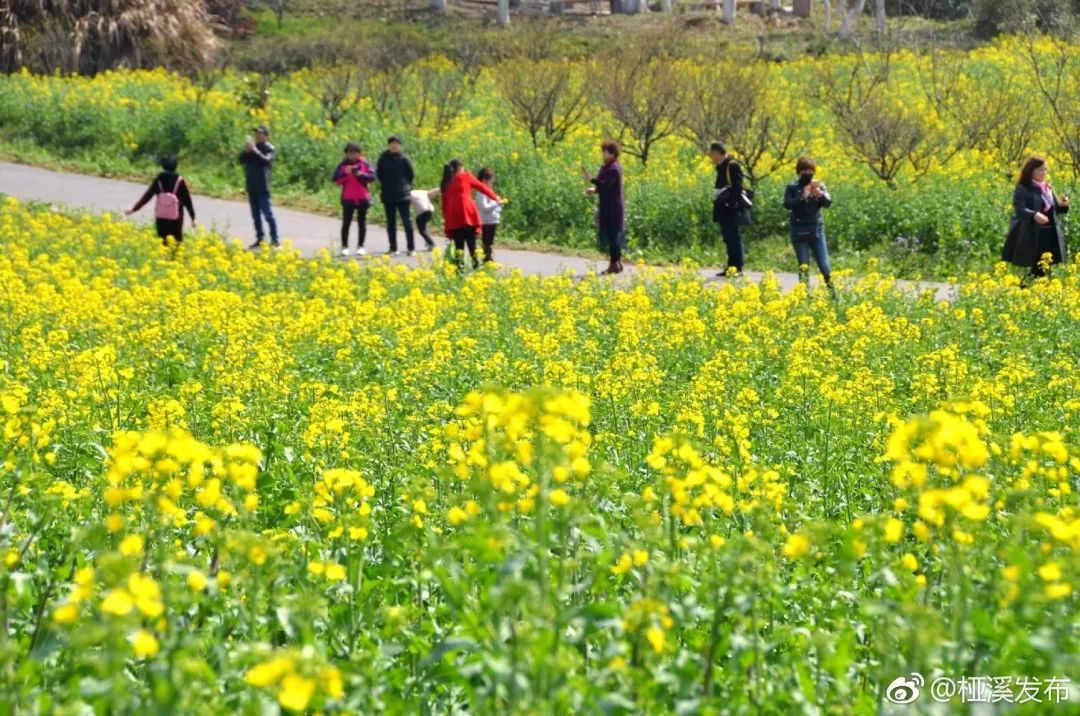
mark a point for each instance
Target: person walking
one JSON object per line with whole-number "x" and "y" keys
{"x": 1036, "y": 230}
{"x": 353, "y": 176}
{"x": 394, "y": 171}
{"x": 173, "y": 197}
{"x": 490, "y": 213}
{"x": 258, "y": 158}
{"x": 422, "y": 204}
{"x": 805, "y": 198}
{"x": 607, "y": 185}
{"x": 731, "y": 206}
{"x": 461, "y": 218}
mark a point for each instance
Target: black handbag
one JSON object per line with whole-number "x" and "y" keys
{"x": 805, "y": 235}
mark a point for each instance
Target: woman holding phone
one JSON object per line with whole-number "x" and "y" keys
{"x": 1036, "y": 231}
{"x": 805, "y": 198}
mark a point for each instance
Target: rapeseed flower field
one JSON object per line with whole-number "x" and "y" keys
{"x": 239, "y": 482}
{"x": 958, "y": 124}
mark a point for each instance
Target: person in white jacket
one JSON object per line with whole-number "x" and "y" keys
{"x": 490, "y": 213}
{"x": 422, "y": 204}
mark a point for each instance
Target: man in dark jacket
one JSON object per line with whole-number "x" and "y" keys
{"x": 395, "y": 174}
{"x": 257, "y": 158}
{"x": 730, "y": 211}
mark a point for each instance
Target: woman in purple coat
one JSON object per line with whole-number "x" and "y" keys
{"x": 607, "y": 185}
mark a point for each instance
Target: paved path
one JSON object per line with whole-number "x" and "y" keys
{"x": 308, "y": 233}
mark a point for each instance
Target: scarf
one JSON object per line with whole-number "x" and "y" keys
{"x": 1047, "y": 194}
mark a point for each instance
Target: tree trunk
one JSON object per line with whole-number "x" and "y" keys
{"x": 879, "y": 16}
{"x": 851, "y": 12}
{"x": 438, "y": 5}
{"x": 502, "y": 13}
{"x": 729, "y": 12}
{"x": 826, "y": 6}
{"x": 665, "y": 5}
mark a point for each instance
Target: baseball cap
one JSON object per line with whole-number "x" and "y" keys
{"x": 394, "y": 138}
{"x": 262, "y": 129}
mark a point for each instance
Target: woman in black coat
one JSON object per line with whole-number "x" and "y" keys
{"x": 1036, "y": 224}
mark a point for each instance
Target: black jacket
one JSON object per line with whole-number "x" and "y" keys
{"x": 1022, "y": 243}
{"x": 257, "y": 165}
{"x": 395, "y": 175}
{"x": 166, "y": 182}
{"x": 805, "y": 210}
{"x": 728, "y": 207}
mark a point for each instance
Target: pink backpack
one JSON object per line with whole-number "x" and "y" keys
{"x": 167, "y": 206}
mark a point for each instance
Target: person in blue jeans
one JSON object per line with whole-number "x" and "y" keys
{"x": 258, "y": 158}
{"x": 805, "y": 198}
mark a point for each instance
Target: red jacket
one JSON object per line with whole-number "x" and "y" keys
{"x": 459, "y": 209}
{"x": 354, "y": 189}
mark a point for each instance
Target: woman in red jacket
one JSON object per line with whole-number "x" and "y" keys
{"x": 461, "y": 219}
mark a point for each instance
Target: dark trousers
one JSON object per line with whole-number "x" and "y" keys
{"x": 1048, "y": 244}
{"x": 733, "y": 241}
{"x": 487, "y": 237}
{"x": 166, "y": 228}
{"x": 612, "y": 242}
{"x": 347, "y": 211}
{"x": 260, "y": 207}
{"x": 422, "y": 220}
{"x": 464, "y": 237}
{"x": 393, "y": 210}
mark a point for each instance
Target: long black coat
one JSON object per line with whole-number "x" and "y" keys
{"x": 1022, "y": 243}
{"x": 728, "y": 209}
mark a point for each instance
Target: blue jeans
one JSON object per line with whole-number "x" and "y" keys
{"x": 733, "y": 240}
{"x": 260, "y": 207}
{"x": 393, "y": 209}
{"x": 815, "y": 245}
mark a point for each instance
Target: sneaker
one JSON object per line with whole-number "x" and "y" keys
{"x": 361, "y": 251}
{"x": 275, "y": 244}
{"x": 411, "y": 252}
{"x": 257, "y": 244}
{"x": 391, "y": 252}
{"x": 346, "y": 251}
{"x": 429, "y": 248}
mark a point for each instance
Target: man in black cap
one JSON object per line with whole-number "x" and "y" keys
{"x": 395, "y": 174}
{"x": 257, "y": 158}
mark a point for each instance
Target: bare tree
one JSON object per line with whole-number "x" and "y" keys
{"x": 280, "y": 7}
{"x": 548, "y": 101}
{"x": 826, "y": 9}
{"x": 878, "y": 128}
{"x": 502, "y": 13}
{"x": 853, "y": 9}
{"x": 981, "y": 105}
{"x": 639, "y": 85}
{"x": 729, "y": 12}
{"x": 1056, "y": 77}
{"x": 731, "y": 100}
{"x": 338, "y": 89}
{"x": 879, "y": 16}
{"x": 429, "y": 93}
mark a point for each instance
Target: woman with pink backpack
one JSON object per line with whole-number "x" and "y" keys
{"x": 173, "y": 197}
